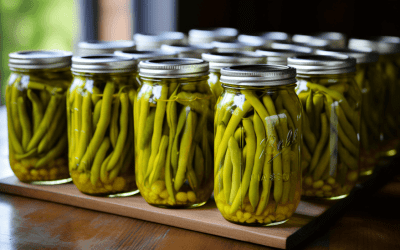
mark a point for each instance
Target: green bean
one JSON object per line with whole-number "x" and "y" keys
{"x": 114, "y": 122}
{"x": 184, "y": 150}
{"x": 278, "y": 180}
{"x": 117, "y": 169}
{"x": 15, "y": 93}
{"x": 47, "y": 118}
{"x": 251, "y": 151}
{"x": 309, "y": 136}
{"x": 45, "y": 98}
{"x": 190, "y": 174}
{"x": 218, "y": 137}
{"x": 227, "y": 174}
{"x": 344, "y": 155}
{"x": 168, "y": 175}
{"x": 286, "y": 150}
{"x": 103, "y": 169}
{"x": 175, "y": 150}
{"x": 85, "y": 135}
{"x": 318, "y": 102}
{"x": 148, "y": 130}
{"x": 57, "y": 151}
{"x": 101, "y": 126}
{"x": 31, "y": 153}
{"x": 237, "y": 115}
{"x": 158, "y": 126}
{"x": 25, "y": 123}
{"x": 269, "y": 104}
{"x": 266, "y": 181}
{"x": 254, "y": 195}
{"x": 199, "y": 164}
{"x": 98, "y": 160}
{"x": 322, "y": 164}
{"x": 208, "y": 159}
{"x": 57, "y": 128}
{"x": 124, "y": 123}
{"x": 96, "y": 114}
{"x": 159, "y": 162}
{"x": 321, "y": 143}
{"x": 37, "y": 109}
{"x": 12, "y": 137}
{"x": 237, "y": 167}
{"x": 96, "y": 95}
{"x": 348, "y": 129}
{"x": 78, "y": 117}
{"x": 143, "y": 106}
{"x": 310, "y": 110}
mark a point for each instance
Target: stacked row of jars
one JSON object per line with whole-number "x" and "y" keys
{"x": 177, "y": 129}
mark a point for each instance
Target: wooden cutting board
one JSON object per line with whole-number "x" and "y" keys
{"x": 309, "y": 217}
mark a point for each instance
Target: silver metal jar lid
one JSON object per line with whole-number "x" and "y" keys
{"x": 142, "y": 55}
{"x": 106, "y": 63}
{"x": 147, "y": 42}
{"x": 171, "y": 37}
{"x": 360, "y": 56}
{"x": 388, "y": 44}
{"x": 279, "y": 56}
{"x": 252, "y": 40}
{"x": 173, "y": 68}
{"x": 258, "y": 75}
{"x": 310, "y": 41}
{"x": 39, "y": 59}
{"x": 219, "y": 60}
{"x": 335, "y": 39}
{"x": 362, "y": 44}
{"x": 103, "y": 47}
{"x": 319, "y": 64}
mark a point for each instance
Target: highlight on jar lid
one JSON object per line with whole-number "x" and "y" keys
{"x": 388, "y": 44}
{"x": 191, "y": 51}
{"x": 173, "y": 68}
{"x": 172, "y": 37}
{"x": 201, "y": 36}
{"x": 106, "y": 63}
{"x": 276, "y": 36}
{"x": 230, "y": 46}
{"x": 142, "y": 55}
{"x": 289, "y": 46}
{"x": 319, "y": 64}
{"x": 147, "y": 42}
{"x": 335, "y": 39}
{"x": 219, "y": 60}
{"x": 103, "y": 47}
{"x": 364, "y": 56}
{"x": 40, "y": 59}
{"x": 310, "y": 41}
{"x": 362, "y": 44}
{"x": 280, "y": 56}
{"x": 258, "y": 75}
{"x": 252, "y": 40}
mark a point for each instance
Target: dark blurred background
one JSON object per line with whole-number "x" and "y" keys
{"x": 60, "y": 24}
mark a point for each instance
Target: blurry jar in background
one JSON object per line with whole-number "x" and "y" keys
{"x": 232, "y": 46}
{"x": 100, "y": 105}
{"x": 280, "y": 56}
{"x": 37, "y": 131}
{"x": 103, "y": 47}
{"x": 204, "y": 36}
{"x": 188, "y": 51}
{"x": 331, "y": 101}
{"x": 219, "y": 60}
{"x": 389, "y": 65}
{"x": 369, "y": 80}
{"x": 257, "y": 145}
{"x": 336, "y": 40}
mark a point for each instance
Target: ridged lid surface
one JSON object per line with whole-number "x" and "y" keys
{"x": 106, "y": 63}
{"x": 360, "y": 56}
{"x": 39, "y": 59}
{"x": 103, "y": 47}
{"x": 173, "y": 68}
{"x": 219, "y": 60}
{"x": 319, "y": 64}
{"x": 258, "y": 75}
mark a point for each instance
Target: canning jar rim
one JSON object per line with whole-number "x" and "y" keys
{"x": 103, "y": 63}
{"x": 258, "y": 75}
{"x": 173, "y": 68}
{"x": 39, "y": 59}
{"x": 361, "y": 56}
{"x": 219, "y": 60}
{"x": 141, "y": 55}
{"x": 322, "y": 64}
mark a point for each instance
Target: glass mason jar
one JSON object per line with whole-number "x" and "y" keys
{"x": 331, "y": 101}
{"x": 389, "y": 68}
{"x": 219, "y": 60}
{"x": 173, "y": 132}
{"x": 103, "y": 47}
{"x": 257, "y": 171}
{"x": 35, "y": 99}
{"x": 100, "y": 125}
{"x": 369, "y": 80}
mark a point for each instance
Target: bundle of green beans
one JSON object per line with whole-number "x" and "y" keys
{"x": 215, "y": 84}
{"x": 257, "y": 154}
{"x": 331, "y": 125}
{"x": 369, "y": 80}
{"x": 37, "y": 125}
{"x": 101, "y": 133}
{"x": 390, "y": 68}
{"x": 174, "y": 141}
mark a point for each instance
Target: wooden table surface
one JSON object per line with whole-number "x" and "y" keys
{"x": 25, "y": 223}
